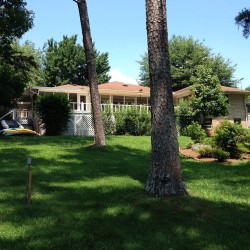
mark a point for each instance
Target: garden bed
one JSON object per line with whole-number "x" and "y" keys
{"x": 188, "y": 152}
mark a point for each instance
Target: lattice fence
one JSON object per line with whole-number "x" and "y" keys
{"x": 80, "y": 124}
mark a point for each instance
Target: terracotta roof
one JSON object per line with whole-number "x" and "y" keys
{"x": 71, "y": 86}
{"x": 123, "y": 87}
{"x": 223, "y": 88}
{"x": 120, "y": 86}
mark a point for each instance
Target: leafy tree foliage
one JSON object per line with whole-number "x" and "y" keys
{"x": 185, "y": 115}
{"x": 243, "y": 21}
{"x": 12, "y": 83}
{"x": 208, "y": 99}
{"x": 186, "y": 54}
{"x": 35, "y": 73}
{"x": 54, "y": 111}
{"x": 15, "y": 20}
{"x": 65, "y": 62}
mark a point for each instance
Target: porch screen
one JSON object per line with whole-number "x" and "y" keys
{"x": 142, "y": 101}
{"x": 104, "y": 99}
{"x": 129, "y": 100}
{"x": 118, "y": 99}
{"x": 73, "y": 100}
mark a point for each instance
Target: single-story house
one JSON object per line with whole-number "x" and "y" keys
{"x": 118, "y": 95}
{"x": 238, "y": 111}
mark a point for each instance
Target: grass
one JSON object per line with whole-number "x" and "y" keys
{"x": 92, "y": 198}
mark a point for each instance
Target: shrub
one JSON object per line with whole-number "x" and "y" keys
{"x": 196, "y": 132}
{"x": 109, "y": 123}
{"x": 54, "y": 111}
{"x": 220, "y": 154}
{"x": 184, "y": 116}
{"x": 132, "y": 121}
{"x": 205, "y": 152}
{"x": 137, "y": 122}
{"x": 217, "y": 153}
{"x": 228, "y": 136}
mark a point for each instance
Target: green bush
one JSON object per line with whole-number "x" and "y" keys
{"x": 54, "y": 111}
{"x": 229, "y": 136}
{"x": 108, "y": 120}
{"x": 220, "y": 154}
{"x": 217, "y": 153}
{"x": 205, "y": 152}
{"x": 132, "y": 121}
{"x": 196, "y": 132}
{"x": 184, "y": 116}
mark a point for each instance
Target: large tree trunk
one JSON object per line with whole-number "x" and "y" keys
{"x": 91, "y": 67}
{"x": 165, "y": 177}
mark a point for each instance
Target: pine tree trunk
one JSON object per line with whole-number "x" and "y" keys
{"x": 91, "y": 67}
{"x": 165, "y": 177}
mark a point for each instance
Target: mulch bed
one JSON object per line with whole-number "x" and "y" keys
{"x": 194, "y": 155}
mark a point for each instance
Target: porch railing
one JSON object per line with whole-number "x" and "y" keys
{"x": 86, "y": 107}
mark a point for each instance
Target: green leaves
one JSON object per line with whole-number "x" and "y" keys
{"x": 54, "y": 111}
{"x": 15, "y": 20}
{"x": 208, "y": 99}
{"x": 186, "y": 56}
{"x": 243, "y": 20}
{"x": 65, "y": 62}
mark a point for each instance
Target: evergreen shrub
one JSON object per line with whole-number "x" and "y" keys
{"x": 195, "y": 131}
{"x": 53, "y": 110}
{"x": 231, "y": 137}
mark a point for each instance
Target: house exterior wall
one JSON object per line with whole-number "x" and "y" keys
{"x": 237, "y": 111}
{"x": 237, "y": 108}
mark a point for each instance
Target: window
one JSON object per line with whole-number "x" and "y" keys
{"x": 207, "y": 123}
{"x": 237, "y": 120}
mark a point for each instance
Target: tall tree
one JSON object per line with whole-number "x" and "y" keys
{"x": 208, "y": 98}
{"x": 65, "y": 62}
{"x": 15, "y": 20}
{"x": 35, "y": 73}
{"x": 165, "y": 177}
{"x": 243, "y": 21}
{"x": 91, "y": 67}
{"x": 186, "y": 54}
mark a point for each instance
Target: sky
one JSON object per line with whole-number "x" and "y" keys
{"x": 119, "y": 28}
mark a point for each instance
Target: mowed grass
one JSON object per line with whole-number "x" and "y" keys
{"x": 92, "y": 198}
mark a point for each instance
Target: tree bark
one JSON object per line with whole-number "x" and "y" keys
{"x": 165, "y": 177}
{"x": 91, "y": 67}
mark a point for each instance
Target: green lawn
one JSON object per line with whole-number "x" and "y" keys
{"x": 92, "y": 198}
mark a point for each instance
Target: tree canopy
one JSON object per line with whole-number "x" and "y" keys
{"x": 208, "y": 98}
{"x": 243, "y": 21}
{"x": 15, "y": 20}
{"x": 186, "y": 55}
{"x": 35, "y": 76}
{"x": 65, "y": 62}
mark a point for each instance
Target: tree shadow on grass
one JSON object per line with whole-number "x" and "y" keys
{"x": 92, "y": 198}
{"x": 123, "y": 218}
